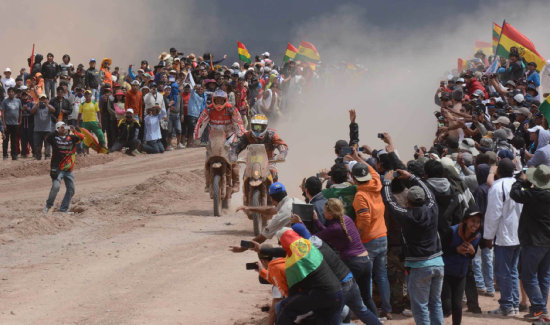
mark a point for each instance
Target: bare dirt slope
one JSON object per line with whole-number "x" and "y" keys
{"x": 142, "y": 248}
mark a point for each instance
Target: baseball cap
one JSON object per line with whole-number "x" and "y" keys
{"x": 235, "y": 65}
{"x": 135, "y": 82}
{"x": 416, "y": 195}
{"x": 173, "y": 49}
{"x": 505, "y": 154}
{"x": 361, "y": 172}
{"x": 502, "y": 120}
{"x": 523, "y": 111}
{"x": 7, "y": 70}
{"x": 500, "y": 134}
{"x": 506, "y": 166}
{"x": 276, "y": 188}
{"x": 519, "y": 98}
{"x": 469, "y": 144}
{"x": 510, "y": 83}
{"x": 92, "y": 60}
{"x": 129, "y": 110}
{"x": 535, "y": 129}
{"x": 59, "y": 124}
{"x": 43, "y": 96}
{"x": 486, "y": 142}
{"x": 340, "y": 144}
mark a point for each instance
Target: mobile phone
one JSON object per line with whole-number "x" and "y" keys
{"x": 345, "y": 151}
{"x": 361, "y": 149}
{"x": 265, "y": 309}
{"x": 318, "y": 175}
{"x": 380, "y": 136}
{"x": 246, "y": 244}
{"x": 252, "y": 266}
{"x": 304, "y": 211}
{"x": 415, "y": 148}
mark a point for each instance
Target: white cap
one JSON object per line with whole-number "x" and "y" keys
{"x": 519, "y": 98}
{"x": 135, "y": 82}
{"x": 265, "y": 54}
{"x": 23, "y": 88}
{"x": 535, "y": 129}
{"x": 59, "y": 124}
{"x": 7, "y": 70}
{"x": 129, "y": 110}
{"x": 235, "y": 65}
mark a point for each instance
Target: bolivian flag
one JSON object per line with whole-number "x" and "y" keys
{"x": 485, "y": 47}
{"x": 302, "y": 257}
{"x": 512, "y": 37}
{"x": 544, "y": 108}
{"x": 244, "y": 56}
{"x": 308, "y": 52}
{"x": 290, "y": 52}
{"x": 496, "y": 35}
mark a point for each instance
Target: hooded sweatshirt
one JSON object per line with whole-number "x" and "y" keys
{"x": 480, "y": 195}
{"x": 542, "y": 154}
{"x": 369, "y": 209}
{"x": 534, "y": 221}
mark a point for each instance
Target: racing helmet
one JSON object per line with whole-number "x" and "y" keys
{"x": 258, "y": 125}
{"x": 219, "y": 94}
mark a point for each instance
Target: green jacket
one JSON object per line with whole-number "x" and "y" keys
{"x": 346, "y": 193}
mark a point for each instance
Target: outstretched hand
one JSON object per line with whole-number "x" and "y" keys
{"x": 352, "y": 115}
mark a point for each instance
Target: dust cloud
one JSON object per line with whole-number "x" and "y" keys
{"x": 404, "y": 70}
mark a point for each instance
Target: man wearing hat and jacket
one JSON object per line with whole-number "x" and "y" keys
{"x": 532, "y": 190}
{"x": 128, "y": 131}
{"x": 421, "y": 246}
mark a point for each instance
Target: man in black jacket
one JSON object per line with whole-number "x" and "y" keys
{"x": 61, "y": 105}
{"x": 91, "y": 79}
{"x": 534, "y": 237}
{"x": 421, "y": 246}
{"x": 50, "y": 70}
{"x": 128, "y": 130}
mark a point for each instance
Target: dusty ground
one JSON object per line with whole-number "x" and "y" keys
{"x": 142, "y": 248}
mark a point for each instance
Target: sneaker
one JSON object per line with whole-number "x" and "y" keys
{"x": 45, "y": 210}
{"x": 516, "y": 311}
{"x": 130, "y": 153}
{"x": 386, "y": 315}
{"x": 407, "y": 313}
{"x": 66, "y": 212}
{"x": 474, "y": 309}
{"x": 487, "y": 294}
{"x": 170, "y": 148}
{"x": 181, "y": 146}
{"x": 534, "y": 315}
{"x": 5, "y": 157}
{"x": 14, "y": 158}
{"x": 501, "y": 312}
{"x": 136, "y": 152}
{"x": 481, "y": 290}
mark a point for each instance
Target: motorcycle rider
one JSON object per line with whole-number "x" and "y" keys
{"x": 260, "y": 134}
{"x": 222, "y": 115}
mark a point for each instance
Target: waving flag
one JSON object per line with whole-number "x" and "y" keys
{"x": 496, "y": 35}
{"x": 244, "y": 56}
{"x": 308, "y": 52}
{"x": 485, "y": 47}
{"x": 290, "y": 52}
{"x": 511, "y": 37}
{"x": 302, "y": 258}
{"x": 544, "y": 108}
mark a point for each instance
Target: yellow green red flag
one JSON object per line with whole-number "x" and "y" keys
{"x": 511, "y": 37}
{"x": 308, "y": 52}
{"x": 244, "y": 56}
{"x": 290, "y": 52}
{"x": 496, "y": 35}
{"x": 485, "y": 47}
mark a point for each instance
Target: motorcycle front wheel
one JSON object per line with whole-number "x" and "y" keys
{"x": 217, "y": 195}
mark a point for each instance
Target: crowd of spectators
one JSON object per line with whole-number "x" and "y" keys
{"x": 466, "y": 216}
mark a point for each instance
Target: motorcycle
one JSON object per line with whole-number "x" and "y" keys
{"x": 218, "y": 171}
{"x": 257, "y": 178}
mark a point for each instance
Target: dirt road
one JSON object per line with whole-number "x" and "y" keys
{"x": 142, "y": 248}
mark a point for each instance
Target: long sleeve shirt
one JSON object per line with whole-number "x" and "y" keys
{"x": 152, "y": 125}
{"x": 502, "y": 215}
{"x": 151, "y": 100}
{"x": 196, "y": 105}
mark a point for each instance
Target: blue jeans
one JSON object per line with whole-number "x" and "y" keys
{"x": 352, "y": 298}
{"x": 424, "y": 288}
{"x": 378, "y": 253}
{"x": 50, "y": 86}
{"x": 483, "y": 269}
{"x": 361, "y": 267}
{"x": 154, "y": 146}
{"x": 56, "y": 185}
{"x": 535, "y": 275}
{"x": 506, "y": 273}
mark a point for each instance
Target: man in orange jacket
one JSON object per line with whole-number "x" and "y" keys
{"x": 134, "y": 100}
{"x": 369, "y": 211}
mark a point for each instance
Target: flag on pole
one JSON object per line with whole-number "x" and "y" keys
{"x": 290, "y": 52}
{"x": 485, "y": 47}
{"x": 492, "y": 68}
{"x": 32, "y": 59}
{"x": 511, "y": 37}
{"x": 244, "y": 56}
{"x": 463, "y": 65}
{"x": 308, "y": 52}
{"x": 496, "y": 35}
{"x": 544, "y": 108}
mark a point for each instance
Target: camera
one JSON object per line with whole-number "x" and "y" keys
{"x": 380, "y": 135}
{"x": 396, "y": 174}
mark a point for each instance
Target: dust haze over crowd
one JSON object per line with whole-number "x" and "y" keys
{"x": 405, "y": 58}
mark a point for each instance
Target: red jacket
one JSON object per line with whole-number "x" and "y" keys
{"x": 474, "y": 85}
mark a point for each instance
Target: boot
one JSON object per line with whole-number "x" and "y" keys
{"x": 235, "y": 171}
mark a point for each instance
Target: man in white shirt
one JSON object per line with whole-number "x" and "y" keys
{"x": 156, "y": 111}
{"x": 7, "y": 81}
{"x": 501, "y": 221}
